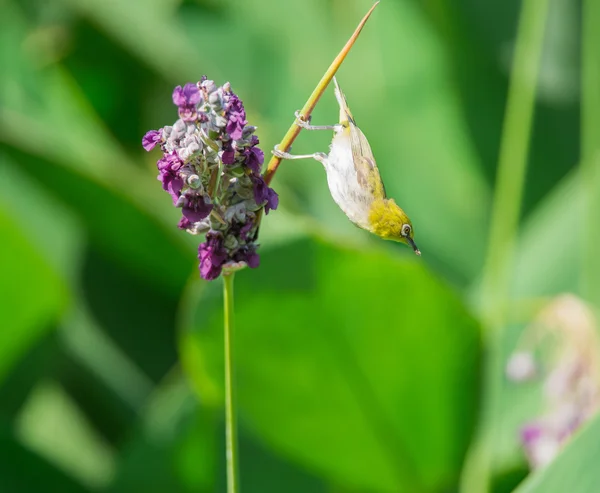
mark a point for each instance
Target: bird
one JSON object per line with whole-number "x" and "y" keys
{"x": 354, "y": 179}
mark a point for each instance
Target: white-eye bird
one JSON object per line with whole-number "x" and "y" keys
{"x": 354, "y": 179}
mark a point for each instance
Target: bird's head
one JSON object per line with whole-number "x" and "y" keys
{"x": 390, "y": 222}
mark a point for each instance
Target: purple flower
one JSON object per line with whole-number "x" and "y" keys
{"x": 169, "y": 165}
{"x": 184, "y": 223}
{"x": 248, "y": 254}
{"x": 228, "y": 156}
{"x": 172, "y": 183}
{"x": 196, "y": 208}
{"x": 245, "y": 229}
{"x": 264, "y": 195}
{"x": 170, "y": 162}
{"x": 531, "y": 432}
{"x": 151, "y": 138}
{"x": 236, "y": 117}
{"x": 541, "y": 442}
{"x": 212, "y": 256}
{"x": 255, "y": 157}
{"x": 272, "y": 200}
{"x": 189, "y": 95}
{"x": 211, "y": 117}
{"x": 187, "y": 99}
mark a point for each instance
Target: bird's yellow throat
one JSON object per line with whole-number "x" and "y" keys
{"x": 386, "y": 219}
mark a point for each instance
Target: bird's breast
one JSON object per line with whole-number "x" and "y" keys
{"x": 343, "y": 183}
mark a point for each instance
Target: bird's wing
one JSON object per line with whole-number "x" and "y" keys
{"x": 364, "y": 163}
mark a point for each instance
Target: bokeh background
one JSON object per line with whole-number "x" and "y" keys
{"x": 359, "y": 365}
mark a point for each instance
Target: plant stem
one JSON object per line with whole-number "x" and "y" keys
{"x": 514, "y": 152}
{"x": 294, "y": 130}
{"x": 231, "y": 447}
{"x": 590, "y": 149}
{"x": 505, "y": 216}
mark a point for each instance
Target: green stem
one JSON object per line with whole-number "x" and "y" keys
{"x": 512, "y": 163}
{"x": 590, "y": 149}
{"x": 505, "y": 217}
{"x": 231, "y": 447}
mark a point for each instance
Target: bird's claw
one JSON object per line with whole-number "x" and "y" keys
{"x": 277, "y": 153}
{"x": 301, "y": 121}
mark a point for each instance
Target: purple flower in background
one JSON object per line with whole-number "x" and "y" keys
{"x": 571, "y": 382}
{"x": 211, "y": 165}
{"x": 151, "y": 138}
{"x": 540, "y": 442}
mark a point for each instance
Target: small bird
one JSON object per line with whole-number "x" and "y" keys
{"x": 354, "y": 180}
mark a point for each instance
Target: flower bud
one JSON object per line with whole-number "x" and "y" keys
{"x": 194, "y": 181}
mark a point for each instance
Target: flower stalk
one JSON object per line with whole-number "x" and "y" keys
{"x": 231, "y": 445}
{"x": 590, "y": 150}
{"x": 505, "y": 215}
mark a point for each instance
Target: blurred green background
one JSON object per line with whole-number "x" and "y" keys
{"x": 359, "y": 365}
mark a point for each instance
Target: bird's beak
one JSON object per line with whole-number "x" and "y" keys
{"x": 413, "y": 245}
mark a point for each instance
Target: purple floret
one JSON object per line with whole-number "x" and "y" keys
{"x": 228, "y": 156}
{"x": 248, "y": 254}
{"x": 236, "y": 117}
{"x": 212, "y": 256}
{"x": 172, "y": 183}
{"x": 264, "y": 195}
{"x": 187, "y": 99}
{"x": 151, "y": 138}
{"x": 196, "y": 208}
{"x": 255, "y": 157}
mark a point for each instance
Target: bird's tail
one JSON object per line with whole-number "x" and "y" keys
{"x": 345, "y": 114}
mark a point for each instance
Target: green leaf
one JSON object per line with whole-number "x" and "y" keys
{"x": 174, "y": 439}
{"x": 575, "y": 469}
{"x": 75, "y": 155}
{"x": 261, "y": 471}
{"x": 358, "y": 365}
{"x": 142, "y": 326}
{"x": 34, "y": 292}
{"x": 136, "y": 25}
{"x": 59, "y": 230}
{"x": 548, "y": 259}
{"x": 21, "y": 471}
{"x": 53, "y": 426}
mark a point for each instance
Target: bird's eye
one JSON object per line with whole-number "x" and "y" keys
{"x": 406, "y": 230}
